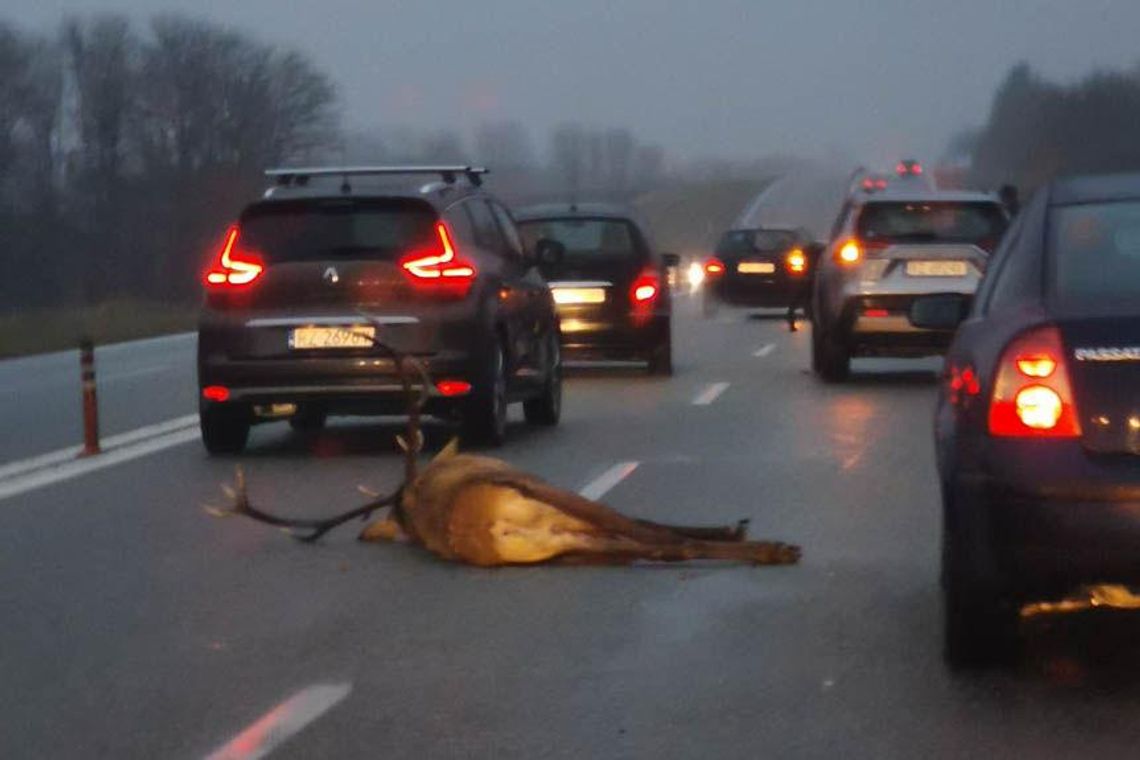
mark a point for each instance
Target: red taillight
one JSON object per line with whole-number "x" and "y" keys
{"x": 916, "y": 169}
{"x": 1032, "y": 395}
{"x": 451, "y": 388}
{"x": 216, "y": 393}
{"x": 714, "y": 267}
{"x": 440, "y": 267}
{"x": 645, "y": 288}
{"x": 876, "y": 313}
{"x": 234, "y": 267}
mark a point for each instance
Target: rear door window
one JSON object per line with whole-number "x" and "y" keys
{"x": 510, "y": 232}
{"x": 1095, "y": 256}
{"x": 336, "y": 230}
{"x": 487, "y": 233}
{"x": 980, "y": 224}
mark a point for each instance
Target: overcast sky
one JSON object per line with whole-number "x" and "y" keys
{"x": 876, "y": 78}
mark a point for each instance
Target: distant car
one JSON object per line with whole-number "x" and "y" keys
{"x": 609, "y": 284}
{"x": 330, "y": 256}
{"x": 760, "y": 267}
{"x": 885, "y": 250}
{"x": 1038, "y": 419}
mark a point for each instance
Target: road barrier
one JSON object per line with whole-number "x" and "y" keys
{"x": 90, "y": 400}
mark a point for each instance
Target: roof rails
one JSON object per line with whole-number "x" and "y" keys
{"x": 299, "y": 176}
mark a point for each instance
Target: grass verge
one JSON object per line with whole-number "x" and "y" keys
{"x": 40, "y": 331}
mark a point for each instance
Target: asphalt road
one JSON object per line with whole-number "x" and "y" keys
{"x": 135, "y": 626}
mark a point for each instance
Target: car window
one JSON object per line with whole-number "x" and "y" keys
{"x": 487, "y": 233}
{"x": 1095, "y": 255}
{"x": 508, "y": 229}
{"x": 932, "y": 222}
{"x": 335, "y": 229}
{"x": 586, "y": 240}
{"x": 751, "y": 241}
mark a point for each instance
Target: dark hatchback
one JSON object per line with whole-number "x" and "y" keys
{"x": 1038, "y": 421}
{"x": 327, "y": 258}
{"x": 609, "y": 284}
{"x": 760, "y": 268}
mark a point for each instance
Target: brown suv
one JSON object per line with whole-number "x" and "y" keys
{"x": 330, "y": 256}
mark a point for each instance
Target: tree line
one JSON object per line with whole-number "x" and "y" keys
{"x": 1038, "y": 129}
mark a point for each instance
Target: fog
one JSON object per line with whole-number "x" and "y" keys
{"x": 730, "y": 78}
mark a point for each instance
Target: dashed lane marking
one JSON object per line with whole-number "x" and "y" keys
{"x": 764, "y": 350}
{"x": 282, "y": 723}
{"x": 599, "y": 486}
{"x": 710, "y": 394}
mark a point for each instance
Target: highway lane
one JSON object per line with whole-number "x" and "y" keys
{"x": 140, "y": 383}
{"x": 135, "y": 626}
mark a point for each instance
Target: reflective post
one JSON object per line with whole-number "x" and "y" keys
{"x": 90, "y": 401}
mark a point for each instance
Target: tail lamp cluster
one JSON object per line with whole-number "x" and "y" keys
{"x": 645, "y": 288}
{"x": 1032, "y": 396}
{"x": 434, "y": 267}
{"x": 795, "y": 262}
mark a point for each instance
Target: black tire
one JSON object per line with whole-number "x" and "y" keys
{"x": 546, "y": 409}
{"x": 979, "y": 622}
{"x": 308, "y": 419}
{"x": 830, "y": 358}
{"x": 485, "y": 418}
{"x": 225, "y": 428}
{"x": 661, "y": 358}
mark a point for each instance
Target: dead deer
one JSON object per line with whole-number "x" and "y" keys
{"x": 482, "y": 511}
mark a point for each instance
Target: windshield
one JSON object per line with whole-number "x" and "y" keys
{"x": 586, "y": 240}
{"x": 932, "y": 222}
{"x": 335, "y": 230}
{"x": 1095, "y": 251}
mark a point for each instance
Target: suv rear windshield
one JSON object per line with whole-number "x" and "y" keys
{"x": 749, "y": 241}
{"x": 336, "y": 230}
{"x": 586, "y": 240}
{"x": 932, "y": 222}
{"x": 1096, "y": 255}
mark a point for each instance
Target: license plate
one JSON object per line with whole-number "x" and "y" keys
{"x": 756, "y": 267}
{"x": 566, "y": 296}
{"x": 355, "y": 336}
{"x": 937, "y": 268}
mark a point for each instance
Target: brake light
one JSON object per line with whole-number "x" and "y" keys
{"x": 440, "y": 267}
{"x": 216, "y": 393}
{"x": 1032, "y": 395}
{"x": 234, "y": 267}
{"x": 451, "y": 388}
{"x": 850, "y": 253}
{"x": 916, "y": 169}
{"x": 645, "y": 288}
{"x": 714, "y": 267}
{"x": 796, "y": 261}
{"x": 876, "y": 313}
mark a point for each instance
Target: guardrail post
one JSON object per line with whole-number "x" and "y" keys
{"x": 90, "y": 400}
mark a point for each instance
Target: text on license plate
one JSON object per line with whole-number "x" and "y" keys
{"x": 756, "y": 267}
{"x": 937, "y": 268}
{"x": 349, "y": 336}
{"x": 579, "y": 295}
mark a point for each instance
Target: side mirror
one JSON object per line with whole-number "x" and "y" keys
{"x": 941, "y": 311}
{"x": 671, "y": 259}
{"x": 547, "y": 251}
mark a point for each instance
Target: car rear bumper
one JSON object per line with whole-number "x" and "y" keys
{"x": 760, "y": 291}
{"x": 879, "y": 325}
{"x": 594, "y": 334}
{"x": 1053, "y": 517}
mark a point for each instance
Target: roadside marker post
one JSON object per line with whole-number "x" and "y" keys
{"x": 90, "y": 400}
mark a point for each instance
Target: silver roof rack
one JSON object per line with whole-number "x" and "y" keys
{"x": 299, "y": 176}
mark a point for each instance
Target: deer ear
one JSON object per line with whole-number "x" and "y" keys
{"x": 447, "y": 452}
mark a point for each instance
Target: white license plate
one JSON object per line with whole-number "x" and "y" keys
{"x": 937, "y": 268}
{"x": 756, "y": 267}
{"x": 566, "y": 296}
{"x": 355, "y": 336}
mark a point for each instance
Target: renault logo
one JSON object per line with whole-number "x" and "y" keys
{"x": 331, "y": 276}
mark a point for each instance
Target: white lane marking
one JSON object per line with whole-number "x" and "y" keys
{"x": 764, "y": 350}
{"x": 73, "y": 469}
{"x": 283, "y": 722}
{"x": 110, "y": 442}
{"x": 599, "y": 486}
{"x": 710, "y": 394}
{"x": 112, "y": 377}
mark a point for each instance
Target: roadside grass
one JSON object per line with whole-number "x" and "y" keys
{"x": 41, "y": 331}
{"x": 688, "y": 218}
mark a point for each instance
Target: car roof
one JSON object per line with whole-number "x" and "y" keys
{"x": 593, "y": 210}
{"x": 1094, "y": 188}
{"x": 896, "y": 194}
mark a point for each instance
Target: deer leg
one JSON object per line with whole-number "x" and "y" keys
{"x": 736, "y": 532}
